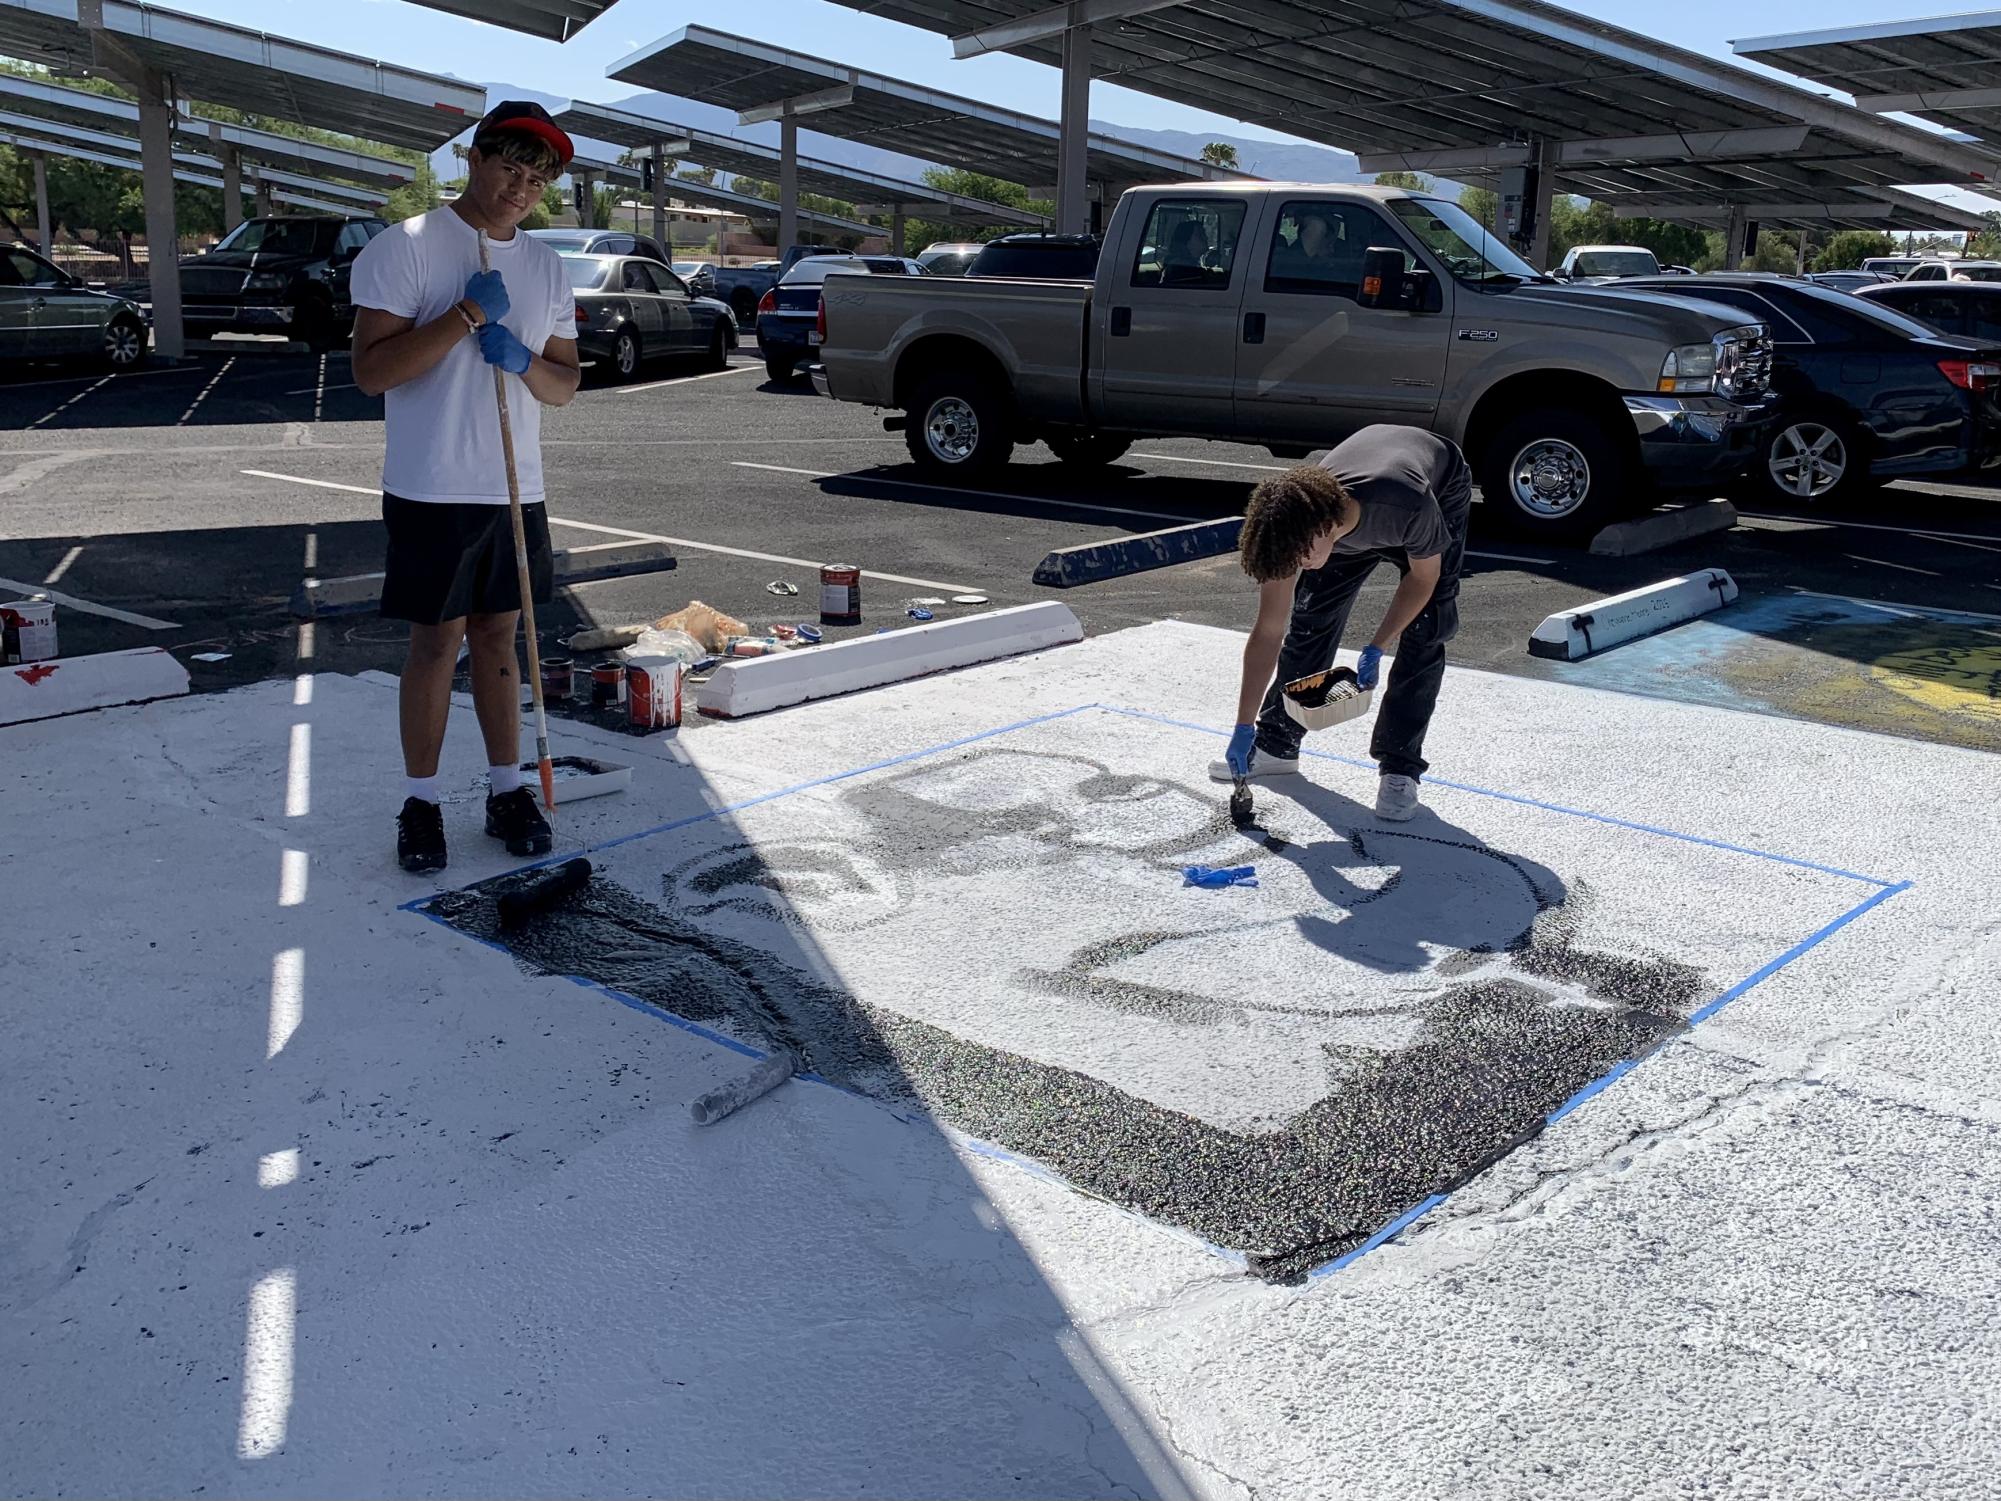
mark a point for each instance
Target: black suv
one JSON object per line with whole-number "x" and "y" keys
{"x": 287, "y": 274}
{"x": 1039, "y": 257}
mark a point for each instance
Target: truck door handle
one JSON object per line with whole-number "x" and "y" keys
{"x": 1122, "y": 322}
{"x": 1254, "y": 328}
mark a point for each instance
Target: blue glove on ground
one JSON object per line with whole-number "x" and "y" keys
{"x": 490, "y": 292}
{"x": 499, "y": 347}
{"x": 1370, "y": 666}
{"x": 1243, "y": 741}
{"x": 1216, "y": 877}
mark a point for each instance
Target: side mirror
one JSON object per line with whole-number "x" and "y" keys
{"x": 1421, "y": 293}
{"x": 1560, "y": 273}
{"x": 1382, "y": 277}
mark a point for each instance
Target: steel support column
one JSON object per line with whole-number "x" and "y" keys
{"x": 896, "y": 231}
{"x": 232, "y": 188}
{"x": 163, "y": 259}
{"x": 1073, "y": 208}
{"x": 659, "y": 196}
{"x": 45, "y": 233}
{"x": 1733, "y": 236}
{"x": 788, "y": 181}
{"x": 1546, "y": 157}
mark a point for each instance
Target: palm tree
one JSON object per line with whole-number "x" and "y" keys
{"x": 1220, "y": 154}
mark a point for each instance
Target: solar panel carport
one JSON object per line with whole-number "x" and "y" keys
{"x": 762, "y": 82}
{"x": 558, "y": 20}
{"x": 163, "y": 56}
{"x": 758, "y": 210}
{"x": 1946, "y": 69}
{"x": 871, "y": 191}
{"x": 1470, "y": 85}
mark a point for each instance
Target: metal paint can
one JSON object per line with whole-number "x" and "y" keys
{"x": 840, "y": 594}
{"x": 608, "y": 685}
{"x": 653, "y": 692}
{"x": 555, "y": 677}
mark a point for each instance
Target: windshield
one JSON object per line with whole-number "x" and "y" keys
{"x": 1456, "y": 238}
{"x": 689, "y": 268}
{"x": 814, "y": 269}
{"x": 1976, "y": 273}
{"x": 584, "y": 271}
{"x": 1616, "y": 263}
{"x": 283, "y": 236}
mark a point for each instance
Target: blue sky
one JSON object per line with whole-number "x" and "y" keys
{"x": 399, "y": 32}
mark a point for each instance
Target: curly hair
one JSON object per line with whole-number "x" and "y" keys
{"x": 538, "y": 156}
{"x": 1287, "y": 514}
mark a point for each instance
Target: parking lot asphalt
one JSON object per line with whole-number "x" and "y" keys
{"x": 182, "y": 506}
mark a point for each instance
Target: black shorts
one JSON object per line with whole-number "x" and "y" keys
{"x": 448, "y": 559}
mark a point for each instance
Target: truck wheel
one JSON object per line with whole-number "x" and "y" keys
{"x": 959, "y": 425}
{"x": 1089, "y": 450}
{"x": 779, "y": 370}
{"x": 1554, "y": 474}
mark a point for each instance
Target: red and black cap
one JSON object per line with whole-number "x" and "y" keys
{"x": 527, "y": 118}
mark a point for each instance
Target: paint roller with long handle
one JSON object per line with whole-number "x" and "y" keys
{"x": 546, "y": 766}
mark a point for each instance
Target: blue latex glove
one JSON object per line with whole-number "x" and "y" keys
{"x": 499, "y": 347}
{"x": 490, "y": 292}
{"x": 1370, "y": 666}
{"x": 1243, "y": 742}
{"x": 1216, "y": 877}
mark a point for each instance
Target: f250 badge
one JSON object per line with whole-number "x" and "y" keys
{"x": 1479, "y": 335}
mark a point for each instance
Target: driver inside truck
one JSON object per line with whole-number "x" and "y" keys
{"x": 1182, "y": 266}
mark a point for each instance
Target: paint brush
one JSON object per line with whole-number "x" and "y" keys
{"x": 1240, "y": 804}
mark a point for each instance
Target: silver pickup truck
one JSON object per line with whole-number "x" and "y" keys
{"x": 1290, "y": 315}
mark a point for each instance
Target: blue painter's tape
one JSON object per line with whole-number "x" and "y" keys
{"x": 1796, "y": 950}
{"x": 1529, "y": 802}
{"x": 1094, "y": 562}
{"x": 1388, "y": 1233}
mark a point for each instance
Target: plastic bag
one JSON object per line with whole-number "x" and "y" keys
{"x": 654, "y": 642}
{"x": 705, "y": 623}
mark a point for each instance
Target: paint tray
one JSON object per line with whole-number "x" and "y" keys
{"x": 1327, "y": 698}
{"x": 579, "y": 777}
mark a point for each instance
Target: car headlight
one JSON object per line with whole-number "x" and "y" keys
{"x": 1744, "y": 362}
{"x": 267, "y": 281}
{"x": 1690, "y": 367}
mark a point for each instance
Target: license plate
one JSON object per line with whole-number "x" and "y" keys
{"x": 812, "y": 336}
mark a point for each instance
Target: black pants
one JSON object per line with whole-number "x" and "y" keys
{"x": 1320, "y": 614}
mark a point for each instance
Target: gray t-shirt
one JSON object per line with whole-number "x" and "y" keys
{"x": 1395, "y": 475}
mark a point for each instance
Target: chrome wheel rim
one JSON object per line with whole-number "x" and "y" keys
{"x": 1550, "y": 478}
{"x": 1808, "y": 460}
{"x": 627, "y": 354}
{"x": 122, "y": 343}
{"x": 952, "y": 429}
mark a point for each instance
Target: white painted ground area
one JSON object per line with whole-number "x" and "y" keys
{"x": 502, "y": 1262}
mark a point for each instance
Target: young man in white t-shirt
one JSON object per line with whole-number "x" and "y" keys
{"x": 428, "y": 326}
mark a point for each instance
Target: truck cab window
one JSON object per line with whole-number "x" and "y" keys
{"x": 1189, "y": 244}
{"x": 1318, "y": 249}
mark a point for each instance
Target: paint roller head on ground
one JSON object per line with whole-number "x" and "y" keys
{"x": 999, "y": 930}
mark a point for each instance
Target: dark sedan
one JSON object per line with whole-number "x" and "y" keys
{"x": 1867, "y": 394}
{"x": 788, "y": 319}
{"x": 631, "y": 309}
{"x": 1964, "y": 309}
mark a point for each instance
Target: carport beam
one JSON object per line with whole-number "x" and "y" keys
{"x": 232, "y": 188}
{"x": 1073, "y": 207}
{"x": 46, "y": 241}
{"x": 163, "y": 261}
{"x": 788, "y": 181}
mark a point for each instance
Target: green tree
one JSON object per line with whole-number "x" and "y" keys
{"x": 1220, "y": 154}
{"x": 1985, "y": 244}
{"x": 1847, "y": 250}
{"x": 1413, "y": 182}
{"x": 706, "y": 176}
{"x": 1484, "y": 204}
{"x": 418, "y": 196}
{"x": 922, "y": 232}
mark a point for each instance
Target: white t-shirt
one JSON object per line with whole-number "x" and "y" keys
{"x": 443, "y": 440}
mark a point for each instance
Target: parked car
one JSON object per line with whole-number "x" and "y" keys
{"x": 600, "y": 242}
{"x": 1847, "y": 281}
{"x": 788, "y": 319}
{"x": 1944, "y": 270}
{"x": 743, "y": 287}
{"x": 279, "y": 274}
{"x": 1599, "y": 263}
{"x": 698, "y": 276}
{"x": 633, "y": 308}
{"x": 947, "y": 259}
{"x": 1964, "y": 309}
{"x": 1292, "y": 315}
{"x": 1039, "y": 257}
{"x": 47, "y": 314}
{"x": 1867, "y": 394}
{"x": 1889, "y": 267}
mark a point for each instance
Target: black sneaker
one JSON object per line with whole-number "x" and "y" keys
{"x": 420, "y": 836}
{"x": 514, "y": 818}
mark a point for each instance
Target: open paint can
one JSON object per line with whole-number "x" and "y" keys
{"x": 555, "y": 678}
{"x": 840, "y": 594}
{"x": 653, "y": 692}
{"x": 608, "y": 685}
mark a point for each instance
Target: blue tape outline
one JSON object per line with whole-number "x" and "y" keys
{"x": 995, "y": 1152}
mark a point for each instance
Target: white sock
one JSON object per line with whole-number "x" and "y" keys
{"x": 424, "y": 789}
{"x": 501, "y": 780}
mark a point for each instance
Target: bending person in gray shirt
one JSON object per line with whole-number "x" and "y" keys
{"x": 1311, "y": 538}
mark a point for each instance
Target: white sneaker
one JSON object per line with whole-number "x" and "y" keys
{"x": 1396, "y": 798}
{"x": 1264, "y": 766}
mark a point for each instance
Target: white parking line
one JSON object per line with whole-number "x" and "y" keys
{"x": 1175, "y": 458}
{"x": 71, "y": 380}
{"x": 1909, "y": 612}
{"x": 51, "y": 415}
{"x": 762, "y": 557}
{"x": 56, "y": 573}
{"x": 1856, "y": 557}
{"x": 1868, "y": 526}
{"x": 323, "y": 484}
{"x": 71, "y": 602}
{"x": 205, "y": 390}
{"x": 678, "y": 380}
{"x": 317, "y": 390}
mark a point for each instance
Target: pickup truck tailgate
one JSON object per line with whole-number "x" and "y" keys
{"x": 1033, "y": 330}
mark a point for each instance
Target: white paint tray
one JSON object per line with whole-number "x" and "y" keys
{"x": 579, "y": 777}
{"x": 1345, "y": 698}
